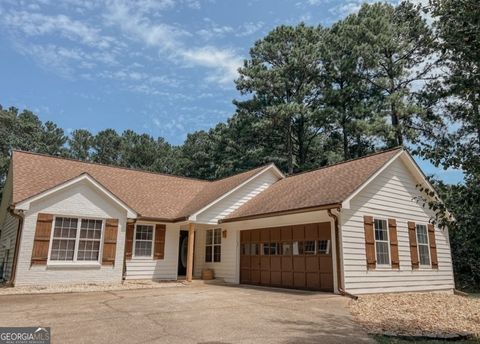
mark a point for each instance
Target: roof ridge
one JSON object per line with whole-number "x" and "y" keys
{"x": 111, "y": 166}
{"x": 347, "y": 161}
{"x": 239, "y": 173}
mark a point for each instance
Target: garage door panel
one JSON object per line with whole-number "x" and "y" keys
{"x": 255, "y": 262}
{"x": 287, "y": 264}
{"x": 313, "y": 281}
{"x": 326, "y": 264}
{"x": 245, "y": 237}
{"x": 312, "y": 264}
{"x": 326, "y": 282}
{"x": 276, "y": 263}
{"x": 311, "y": 231}
{"x": 324, "y": 231}
{"x": 299, "y": 263}
{"x": 245, "y": 276}
{"x": 245, "y": 262}
{"x": 286, "y": 233}
{"x": 276, "y": 278}
{"x": 265, "y": 263}
{"x": 265, "y": 277}
{"x": 255, "y": 235}
{"x": 255, "y": 276}
{"x": 299, "y": 280}
{"x": 275, "y": 235}
{"x": 287, "y": 279}
{"x": 298, "y": 232}
{"x": 265, "y": 235}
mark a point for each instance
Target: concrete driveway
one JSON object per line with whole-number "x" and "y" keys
{"x": 197, "y": 313}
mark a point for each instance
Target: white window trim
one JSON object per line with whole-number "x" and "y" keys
{"x": 377, "y": 265}
{"x": 423, "y": 266}
{"x": 76, "y": 262}
{"x": 213, "y": 245}
{"x": 134, "y": 253}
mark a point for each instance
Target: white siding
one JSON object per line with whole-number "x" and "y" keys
{"x": 7, "y": 245}
{"x": 226, "y": 269}
{"x": 391, "y": 195}
{"x": 236, "y": 199}
{"x": 80, "y": 199}
{"x": 161, "y": 269}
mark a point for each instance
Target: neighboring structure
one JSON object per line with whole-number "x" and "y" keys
{"x": 354, "y": 226}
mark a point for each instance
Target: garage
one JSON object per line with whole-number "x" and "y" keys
{"x": 298, "y": 257}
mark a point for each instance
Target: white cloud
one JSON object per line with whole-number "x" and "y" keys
{"x": 249, "y": 28}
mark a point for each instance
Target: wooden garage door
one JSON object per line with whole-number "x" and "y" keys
{"x": 297, "y": 257}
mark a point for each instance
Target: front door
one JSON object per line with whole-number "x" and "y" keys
{"x": 182, "y": 253}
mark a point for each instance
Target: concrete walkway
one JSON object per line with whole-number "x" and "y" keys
{"x": 197, "y": 313}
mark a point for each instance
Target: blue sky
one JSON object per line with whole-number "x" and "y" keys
{"x": 164, "y": 67}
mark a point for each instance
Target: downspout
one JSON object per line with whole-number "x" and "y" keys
{"x": 124, "y": 271}
{"x": 11, "y": 209}
{"x": 337, "y": 249}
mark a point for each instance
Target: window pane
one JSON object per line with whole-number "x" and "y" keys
{"x": 208, "y": 254}
{"x": 381, "y": 230}
{"x": 424, "y": 254}
{"x": 143, "y": 248}
{"x": 382, "y": 253}
{"x": 217, "y": 236}
{"x": 64, "y": 235}
{"x": 217, "y": 253}
{"x": 254, "y": 249}
{"x": 309, "y": 247}
{"x": 287, "y": 249}
{"x": 323, "y": 246}
{"x": 422, "y": 234}
{"x": 297, "y": 248}
{"x": 245, "y": 249}
{"x": 209, "y": 237}
{"x": 265, "y": 249}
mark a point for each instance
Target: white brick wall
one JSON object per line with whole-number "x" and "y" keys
{"x": 81, "y": 199}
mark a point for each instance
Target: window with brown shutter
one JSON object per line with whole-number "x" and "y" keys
{"x": 159, "y": 248}
{"x": 41, "y": 241}
{"x": 129, "y": 240}
{"x": 433, "y": 246}
{"x": 369, "y": 242}
{"x": 110, "y": 242}
{"x": 392, "y": 232}
{"x": 412, "y": 235}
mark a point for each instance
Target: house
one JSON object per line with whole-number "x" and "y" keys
{"x": 354, "y": 226}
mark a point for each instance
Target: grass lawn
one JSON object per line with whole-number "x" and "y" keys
{"x": 390, "y": 340}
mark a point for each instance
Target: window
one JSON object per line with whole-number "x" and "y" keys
{"x": 324, "y": 246}
{"x": 287, "y": 249}
{"x": 297, "y": 248}
{"x": 143, "y": 240}
{"x": 213, "y": 245}
{"x": 381, "y": 242}
{"x": 423, "y": 246}
{"x": 76, "y": 239}
{"x": 309, "y": 247}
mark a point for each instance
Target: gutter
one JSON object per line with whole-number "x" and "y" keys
{"x": 11, "y": 209}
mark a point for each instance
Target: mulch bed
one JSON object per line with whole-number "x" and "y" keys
{"x": 419, "y": 315}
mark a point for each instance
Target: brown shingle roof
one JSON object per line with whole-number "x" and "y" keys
{"x": 152, "y": 195}
{"x": 325, "y": 186}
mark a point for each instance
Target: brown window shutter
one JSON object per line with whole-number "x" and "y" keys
{"x": 433, "y": 246}
{"x": 369, "y": 242}
{"x": 41, "y": 241}
{"x": 110, "y": 242}
{"x": 159, "y": 248}
{"x": 392, "y": 234}
{"x": 129, "y": 240}
{"x": 412, "y": 235}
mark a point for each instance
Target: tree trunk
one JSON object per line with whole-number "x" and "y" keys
{"x": 396, "y": 125}
{"x": 289, "y": 147}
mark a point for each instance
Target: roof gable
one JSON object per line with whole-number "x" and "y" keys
{"x": 327, "y": 186}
